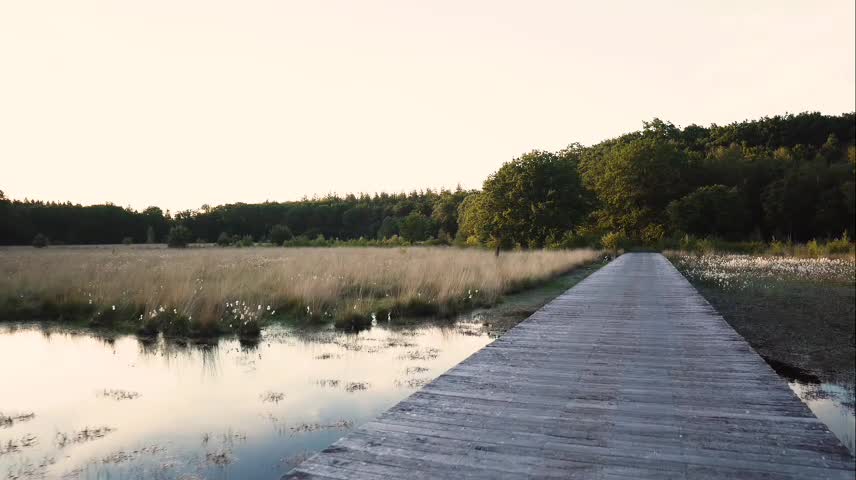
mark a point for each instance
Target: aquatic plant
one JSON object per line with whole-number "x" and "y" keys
{"x": 272, "y": 397}
{"x": 9, "y": 420}
{"x": 119, "y": 394}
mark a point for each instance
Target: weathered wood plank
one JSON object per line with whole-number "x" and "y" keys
{"x": 630, "y": 374}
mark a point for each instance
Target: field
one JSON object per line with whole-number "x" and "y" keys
{"x": 215, "y": 290}
{"x": 796, "y": 312}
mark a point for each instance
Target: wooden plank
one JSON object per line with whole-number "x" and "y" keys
{"x": 631, "y": 374}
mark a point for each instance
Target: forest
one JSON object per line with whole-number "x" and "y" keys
{"x": 787, "y": 177}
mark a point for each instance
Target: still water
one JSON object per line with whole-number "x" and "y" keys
{"x": 75, "y": 405}
{"x": 832, "y": 403}
{"x": 123, "y": 408}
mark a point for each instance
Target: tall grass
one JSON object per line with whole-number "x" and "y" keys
{"x": 216, "y": 289}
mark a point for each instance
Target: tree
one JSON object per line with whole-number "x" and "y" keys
{"x": 709, "y": 210}
{"x": 388, "y": 228}
{"x": 445, "y": 213}
{"x": 529, "y": 199}
{"x": 358, "y": 221}
{"x": 470, "y": 218}
{"x": 635, "y": 181}
{"x": 279, "y": 234}
{"x": 415, "y": 227}
{"x": 179, "y": 236}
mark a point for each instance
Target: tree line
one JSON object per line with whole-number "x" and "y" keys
{"x": 783, "y": 177}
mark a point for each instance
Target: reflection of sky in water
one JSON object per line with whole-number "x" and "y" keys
{"x": 198, "y": 403}
{"x": 833, "y": 405}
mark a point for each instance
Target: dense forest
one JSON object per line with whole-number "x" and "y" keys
{"x": 784, "y": 177}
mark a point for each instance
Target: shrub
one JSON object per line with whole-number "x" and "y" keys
{"x": 706, "y": 246}
{"x": 40, "y": 241}
{"x": 415, "y": 227}
{"x": 612, "y": 241}
{"x": 839, "y": 245}
{"x": 777, "y": 248}
{"x": 127, "y": 241}
{"x": 179, "y": 236}
{"x": 224, "y": 240}
{"x": 653, "y": 234}
{"x": 280, "y": 234}
{"x": 246, "y": 241}
{"x": 813, "y": 249}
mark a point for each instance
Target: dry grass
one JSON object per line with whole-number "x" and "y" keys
{"x": 216, "y": 286}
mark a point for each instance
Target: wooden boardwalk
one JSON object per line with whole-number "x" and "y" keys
{"x": 629, "y": 375}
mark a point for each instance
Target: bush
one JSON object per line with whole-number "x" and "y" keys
{"x": 280, "y": 234}
{"x": 40, "y": 241}
{"x": 224, "y": 240}
{"x": 813, "y": 249}
{"x": 612, "y": 241}
{"x": 777, "y": 248}
{"x": 415, "y": 227}
{"x": 839, "y": 245}
{"x": 653, "y": 234}
{"x": 127, "y": 241}
{"x": 246, "y": 241}
{"x": 179, "y": 236}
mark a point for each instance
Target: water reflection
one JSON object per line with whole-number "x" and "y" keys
{"x": 127, "y": 407}
{"x": 833, "y": 404}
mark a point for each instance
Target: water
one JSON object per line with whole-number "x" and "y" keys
{"x": 230, "y": 410}
{"x": 832, "y": 403}
{"x": 221, "y": 411}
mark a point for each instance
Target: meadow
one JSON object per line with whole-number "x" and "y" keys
{"x": 206, "y": 291}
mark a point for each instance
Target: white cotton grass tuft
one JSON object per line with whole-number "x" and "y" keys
{"x": 320, "y": 280}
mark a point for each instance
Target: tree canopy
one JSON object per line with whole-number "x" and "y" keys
{"x": 788, "y": 176}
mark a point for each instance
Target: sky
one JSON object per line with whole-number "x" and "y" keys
{"x": 180, "y": 103}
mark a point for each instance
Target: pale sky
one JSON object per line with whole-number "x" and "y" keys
{"x": 178, "y": 103}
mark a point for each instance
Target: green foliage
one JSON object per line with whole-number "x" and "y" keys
{"x": 416, "y": 227}
{"x": 613, "y": 241}
{"x": 653, "y": 234}
{"x": 279, "y": 234}
{"x": 530, "y": 199}
{"x": 179, "y": 236}
{"x": 840, "y": 245}
{"x": 788, "y": 176}
{"x": 635, "y": 181}
{"x": 709, "y": 210}
{"x": 388, "y": 228}
{"x": 777, "y": 248}
{"x": 813, "y": 249}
